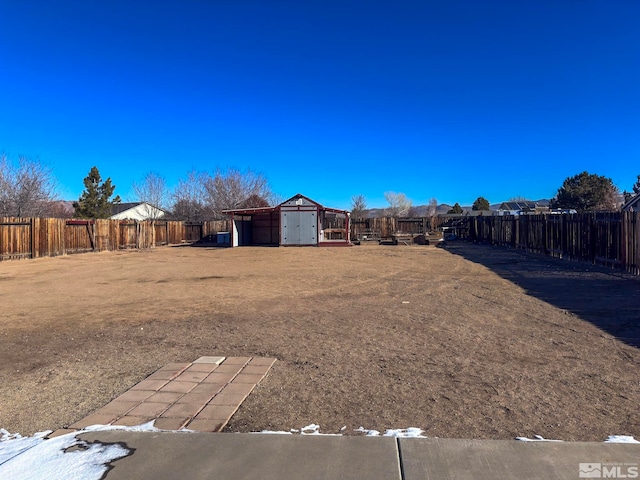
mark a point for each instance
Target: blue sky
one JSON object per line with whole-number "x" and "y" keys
{"x": 449, "y": 99}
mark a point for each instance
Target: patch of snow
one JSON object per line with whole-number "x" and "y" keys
{"x": 312, "y": 429}
{"x": 64, "y": 457}
{"x": 411, "y": 432}
{"x": 610, "y": 439}
{"x": 621, "y": 439}
{"x": 537, "y": 438}
{"x": 144, "y": 427}
{"x": 53, "y": 459}
{"x": 13, "y": 444}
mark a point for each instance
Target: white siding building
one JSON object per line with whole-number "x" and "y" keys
{"x": 136, "y": 211}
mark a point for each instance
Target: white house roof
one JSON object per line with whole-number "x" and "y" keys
{"x": 136, "y": 211}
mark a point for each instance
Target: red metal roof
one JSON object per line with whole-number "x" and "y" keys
{"x": 258, "y": 210}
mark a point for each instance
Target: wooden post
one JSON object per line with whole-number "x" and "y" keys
{"x": 33, "y": 238}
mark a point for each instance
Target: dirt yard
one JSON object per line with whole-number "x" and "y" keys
{"x": 467, "y": 341}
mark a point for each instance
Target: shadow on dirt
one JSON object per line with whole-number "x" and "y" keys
{"x": 607, "y": 298}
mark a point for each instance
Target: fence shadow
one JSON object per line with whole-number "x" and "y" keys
{"x": 606, "y": 298}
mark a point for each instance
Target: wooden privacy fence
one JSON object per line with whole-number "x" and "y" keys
{"x": 50, "y": 237}
{"x": 385, "y": 227}
{"x": 604, "y": 238}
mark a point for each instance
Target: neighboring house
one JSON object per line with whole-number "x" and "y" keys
{"x": 466, "y": 214}
{"x": 521, "y": 208}
{"x": 136, "y": 211}
{"x": 298, "y": 221}
{"x": 633, "y": 205}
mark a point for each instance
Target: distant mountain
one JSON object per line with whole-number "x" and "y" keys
{"x": 443, "y": 208}
{"x": 61, "y": 209}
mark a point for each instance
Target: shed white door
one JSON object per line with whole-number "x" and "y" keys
{"x": 299, "y": 228}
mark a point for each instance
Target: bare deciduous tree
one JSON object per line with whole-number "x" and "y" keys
{"x": 232, "y": 188}
{"x": 253, "y": 201}
{"x": 152, "y": 190}
{"x": 358, "y": 206}
{"x": 399, "y": 204}
{"x": 202, "y": 196}
{"x": 27, "y": 189}
{"x": 432, "y": 212}
{"x": 432, "y": 207}
{"x": 189, "y": 199}
{"x": 276, "y": 198}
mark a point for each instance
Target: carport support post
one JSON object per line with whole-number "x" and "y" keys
{"x": 231, "y": 230}
{"x": 279, "y": 225}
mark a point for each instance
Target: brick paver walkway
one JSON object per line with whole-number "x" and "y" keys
{"x": 201, "y": 396}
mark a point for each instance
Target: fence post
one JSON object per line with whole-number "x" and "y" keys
{"x": 33, "y": 239}
{"x": 593, "y": 236}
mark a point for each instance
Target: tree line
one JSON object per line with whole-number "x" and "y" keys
{"x": 29, "y": 189}
{"x": 584, "y": 192}
{"x": 200, "y": 196}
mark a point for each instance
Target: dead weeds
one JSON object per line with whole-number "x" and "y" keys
{"x": 470, "y": 341}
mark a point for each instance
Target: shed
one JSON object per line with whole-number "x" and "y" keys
{"x": 298, "y": 221}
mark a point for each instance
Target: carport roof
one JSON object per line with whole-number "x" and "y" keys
{"x": 251, "y": 211}
{"x": 259, "y": 210}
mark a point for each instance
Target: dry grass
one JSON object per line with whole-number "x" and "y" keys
{"x": 469, "y": 342}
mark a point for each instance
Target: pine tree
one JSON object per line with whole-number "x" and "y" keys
{"x": 95, "y": 201}
{"x": 586, "y": 192}
{"x": 636, "y": 190}
{"x": 481, "y": 203}
{"x": 457, "y": 209}
{"x": 636, "y": 186}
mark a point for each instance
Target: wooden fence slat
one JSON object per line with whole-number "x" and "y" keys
{"x": 43, "y": 237}
{"x": 606, "y": 238}
{"x": 609, "y": 238}
{"x": 385, "y": 227}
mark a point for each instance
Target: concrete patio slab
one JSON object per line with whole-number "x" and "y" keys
{"x": 161, "y": 455}
{"x": 444, "y": 459}
{"x": 196, "y": 456}
{"x": 169, "y": 455}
